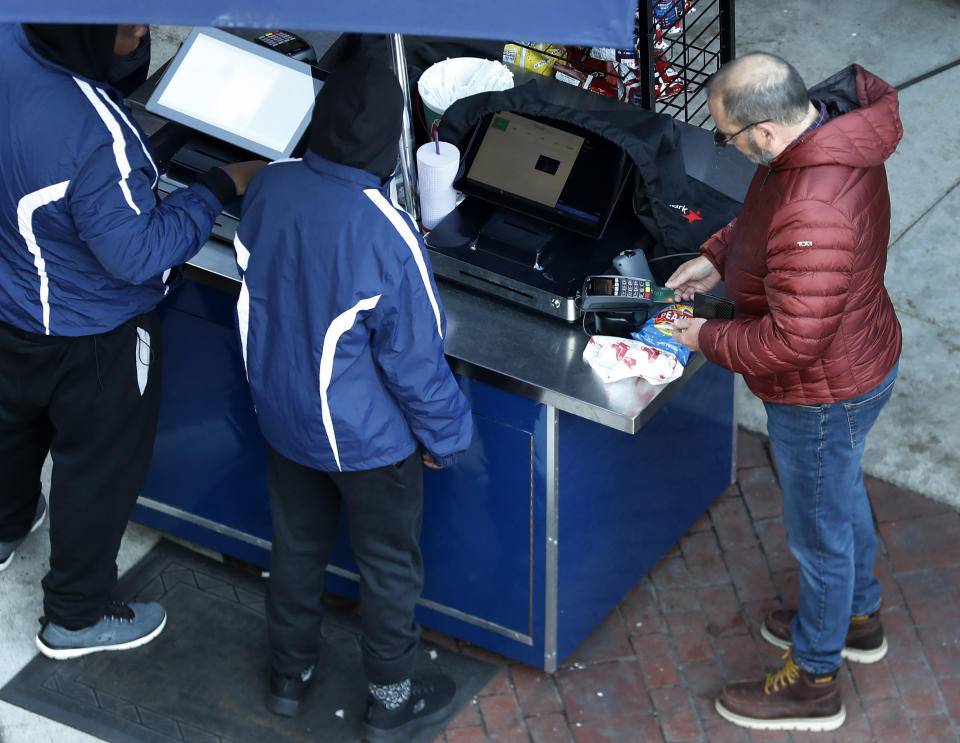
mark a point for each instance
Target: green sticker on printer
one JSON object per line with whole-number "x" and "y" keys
{"x": 500, "y": 123}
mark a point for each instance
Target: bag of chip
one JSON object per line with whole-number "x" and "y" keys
{"x": 528, "y": 56}
{"x": 657, "y": 332}
{"x": 629, "y": 86}
{"x": 598, "y": 82}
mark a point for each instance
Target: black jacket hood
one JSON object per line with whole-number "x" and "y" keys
{"x": 85, "y": 49}
{"x": 358, "y": 116}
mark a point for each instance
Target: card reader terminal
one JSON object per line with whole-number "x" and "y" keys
{"x": 612, "y": 293}
{"x": 288, "y": 44}
{"x": 621, "y": 293}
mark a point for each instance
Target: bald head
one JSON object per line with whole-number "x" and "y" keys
{"x": 760, "y": 87}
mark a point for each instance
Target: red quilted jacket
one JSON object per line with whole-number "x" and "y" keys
{"x": 805, "y": 258}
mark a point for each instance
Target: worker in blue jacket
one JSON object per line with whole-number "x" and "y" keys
{"x": 85, "y": 249}
{"x": 342, "y": 332}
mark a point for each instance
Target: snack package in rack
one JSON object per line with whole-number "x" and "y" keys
{"x": 669, "y": 82}
{"x": 629, "y": 86}
{"x": 611, "y": 71}
{"x": 577, "y": 54}
{"x": 611, "y": 54}
{"x": 600, "y": 81}
{"x": 668, "y": 14}
{"x": 534, "y": 56}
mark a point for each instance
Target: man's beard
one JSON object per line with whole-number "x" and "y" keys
{"x": 757, "y": 154}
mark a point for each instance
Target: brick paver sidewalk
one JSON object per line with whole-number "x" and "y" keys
{"x": 650, "y": 671}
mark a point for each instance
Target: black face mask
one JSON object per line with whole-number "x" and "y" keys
{"x": 358, "y": 116}
{"x": 84, "y": 49}
{"x": 129, "y": 71}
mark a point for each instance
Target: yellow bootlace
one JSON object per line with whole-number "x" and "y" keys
{"x": 783, "y": 677}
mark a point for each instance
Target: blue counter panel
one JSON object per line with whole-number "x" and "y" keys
{"x": 209, "y": 457}
{"x": 625, "y": 500}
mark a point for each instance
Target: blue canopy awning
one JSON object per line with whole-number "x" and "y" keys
{"x": 582, "y": 22}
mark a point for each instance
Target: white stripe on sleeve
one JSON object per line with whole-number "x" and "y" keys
{"x": 25, "y": 209}
{"x": 143, "y": 146}
{"x": 119, "y": 143}
{"x": 401, "y": 225}
{"x": 340, "y": 325}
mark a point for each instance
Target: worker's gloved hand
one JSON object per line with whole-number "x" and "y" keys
{"x": 243, "y": 172}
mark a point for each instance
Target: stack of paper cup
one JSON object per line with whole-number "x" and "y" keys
{"x": 435, "y": 174}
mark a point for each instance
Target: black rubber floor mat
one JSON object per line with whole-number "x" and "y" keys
{"x": 203, "y": 679}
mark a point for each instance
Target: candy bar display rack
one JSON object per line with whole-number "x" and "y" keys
{"x": 683, "y": 44}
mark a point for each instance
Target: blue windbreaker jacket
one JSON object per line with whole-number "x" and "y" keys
{"x": 341, "y": 324}
{"x": 83, "y": 242}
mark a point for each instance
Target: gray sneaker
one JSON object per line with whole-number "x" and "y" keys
{"x": 7, "y": 549}
{"x": 124, "y": 626}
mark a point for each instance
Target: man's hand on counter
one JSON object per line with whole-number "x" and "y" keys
{"x": 242, "y": 172}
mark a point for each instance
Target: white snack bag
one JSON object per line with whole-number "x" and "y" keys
{"x": 616, "y": 358}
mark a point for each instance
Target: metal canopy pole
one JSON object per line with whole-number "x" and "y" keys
{"x": 407, "y": 172}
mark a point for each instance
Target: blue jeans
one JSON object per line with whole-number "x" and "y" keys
{"x": 827, "y": 515}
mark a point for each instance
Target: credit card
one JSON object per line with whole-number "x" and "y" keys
{"x": 662, "y": 294}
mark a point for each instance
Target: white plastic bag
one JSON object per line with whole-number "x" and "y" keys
{"x": 620, "y": 358}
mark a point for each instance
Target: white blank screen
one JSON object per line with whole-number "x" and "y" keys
{"x": 241, "y": 93}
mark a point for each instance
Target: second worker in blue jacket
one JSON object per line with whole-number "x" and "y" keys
{"x": 342, "y": 330}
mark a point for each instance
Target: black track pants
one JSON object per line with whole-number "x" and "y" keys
{"x": 384, "y": 510}
{"x": 92, "y": 402}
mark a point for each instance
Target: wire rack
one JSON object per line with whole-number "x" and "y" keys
{"x": 683, "y": 44}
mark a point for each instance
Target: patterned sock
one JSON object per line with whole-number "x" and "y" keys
{"x": 391, "y": 696}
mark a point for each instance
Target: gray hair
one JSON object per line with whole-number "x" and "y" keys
{"x": 760, "y": 87}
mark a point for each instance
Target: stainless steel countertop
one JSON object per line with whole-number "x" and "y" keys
{"x": 528, "y": 354}
{"x": 541, "y": 358}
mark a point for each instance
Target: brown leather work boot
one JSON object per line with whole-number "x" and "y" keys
{"x": 865, "y": 642}
{"x": 788, "y": 699}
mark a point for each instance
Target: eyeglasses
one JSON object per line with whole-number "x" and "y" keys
{"x": 722, "y": 140}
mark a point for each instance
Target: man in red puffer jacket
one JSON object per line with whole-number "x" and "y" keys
{"x": 816, "y": 338}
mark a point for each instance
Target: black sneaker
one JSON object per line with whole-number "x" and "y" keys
{"x": 431, "y": 698}
{"x": 8, "y": 549}
{"x": 286, "y": 692}
{"x": 124, "y": 626}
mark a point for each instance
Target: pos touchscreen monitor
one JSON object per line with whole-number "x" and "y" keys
{"x": 549, "y": 169}
{"x": 238, "y": 92}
